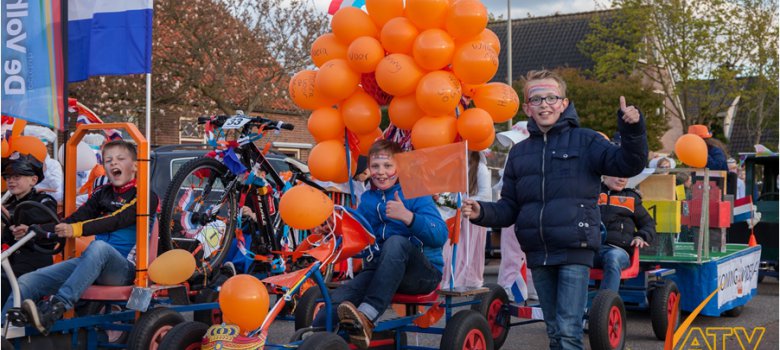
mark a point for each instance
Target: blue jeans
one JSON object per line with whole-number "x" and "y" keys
{"x": 100, "y": 263}
{"x": 612, "y": 260}
{"x": 400, "y": 267}
{"x": 563, "y": 295}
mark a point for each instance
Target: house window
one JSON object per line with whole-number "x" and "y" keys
{"x": 190, "y": 131}
{"x": 290, "y": 152}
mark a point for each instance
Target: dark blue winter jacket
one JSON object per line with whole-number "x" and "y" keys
{"x": 427, "y": 230}
{"x": 551, "y": 187}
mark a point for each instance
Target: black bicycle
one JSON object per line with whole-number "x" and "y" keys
{"x": 202, "y": 206}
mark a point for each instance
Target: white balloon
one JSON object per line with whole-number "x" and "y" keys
{"x": 86, "y": 159}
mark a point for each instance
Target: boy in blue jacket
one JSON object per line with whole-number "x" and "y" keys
{"x": 552, "y": 182}
{"x": 407, "y": 257}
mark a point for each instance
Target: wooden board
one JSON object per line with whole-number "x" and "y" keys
{"x": 667, "y": 215}
{"x": 658, "y": 187}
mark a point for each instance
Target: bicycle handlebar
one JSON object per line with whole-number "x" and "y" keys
{"x": 272, "y": 124}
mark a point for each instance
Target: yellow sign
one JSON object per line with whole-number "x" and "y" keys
{"x": 715, "y": 338}
{"x": 666, "y": 214}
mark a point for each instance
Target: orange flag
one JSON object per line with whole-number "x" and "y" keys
{"x": 432, "y": 170}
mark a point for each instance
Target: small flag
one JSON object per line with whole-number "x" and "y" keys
{"x": 520, "y": 288}
{"x": 433, "y": 170}
{"x": 762, "y": 151}
{"x": 743, "y": 209}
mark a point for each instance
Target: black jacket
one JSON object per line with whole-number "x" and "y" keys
{"x": 551, "y": 187}
{"x": 625, "y": 217}
{"x": 26, "y": 254}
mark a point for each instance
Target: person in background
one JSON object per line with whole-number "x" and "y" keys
{"x": 470, "y": 256}
{"x": 740, "y": 183}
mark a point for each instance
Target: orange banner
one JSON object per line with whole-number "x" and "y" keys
{"x": 432, "y": 170}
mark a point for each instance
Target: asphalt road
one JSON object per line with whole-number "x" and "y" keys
{"x": 761, "y": 311}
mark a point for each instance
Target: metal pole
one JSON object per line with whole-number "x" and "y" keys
{"x": 509, "y": 50}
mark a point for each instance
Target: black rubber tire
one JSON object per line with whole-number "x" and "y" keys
{"x": 306, "y": 307}
{"x": 465, "y": 327}
{"x": 91, "y": 308}
{"x": 659, "y": 308}
{"x": 599, "y": 324}
{"x": 324, "y": 341}
{"x": 146, "y": 327}
{"x": 388, "y": 335}
{"x": 184, "y": 335}
{"x": 209, "y": 317}
{"x": 171, "y": 201}
{"x": 735, "y": 312}
{"x": 495, "y": 298}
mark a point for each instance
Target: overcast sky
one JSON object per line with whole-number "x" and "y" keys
{"x": 520, "y": 8}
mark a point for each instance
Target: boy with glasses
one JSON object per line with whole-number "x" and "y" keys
{"x": 551, "y": 187}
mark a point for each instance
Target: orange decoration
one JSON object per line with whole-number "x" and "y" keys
{"x": 244, "y": 302}
{"x": 498, "y": 99}
{"x": 438, "y": 93}
{"x": 303, "y": 91}
{"x": 398, "y": 75}
{"x": 28, "y": 145}
{"x": 475, "y": 125}
{"x": 326, "y": 124}
{"x": 361, "y": 113}
{"x": 398, "y": 34}
{"x": 364, "y": 54}
{"x": 427, "y": 14}
{"x": 692, "y": 150}
{"x": 350, "y": 23}
{"x": 5, "y": 149}
{"x": 487, "y": 36}
{"x": 478, "y": 146}
{"x": 469, "y": 89}
{"x": 466, "y": 18}
{"x": 475, "y": 62}
{"x": 382, "y": 11}
{"x": 304, "y": 207}
{"x": 433, "y": 49}
{"x": 434, "y": 131}
{"x": 404, "y": 111}
{"x": 326, "y": 48}
{"x": 336, "y": 80}
{"x": 328, "y": 162}
{"x": 366, "y": 140}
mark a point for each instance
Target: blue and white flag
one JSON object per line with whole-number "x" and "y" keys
{"x": 109, "y": 37}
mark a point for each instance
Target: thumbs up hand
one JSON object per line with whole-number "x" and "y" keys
{"x": 396, "y": 210}
{"x": 630, "y": 113}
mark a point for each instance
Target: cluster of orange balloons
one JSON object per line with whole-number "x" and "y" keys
{"x": 427, "y": 55}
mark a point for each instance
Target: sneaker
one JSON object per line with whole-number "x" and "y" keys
{"x": 364, "y": 328}
{"x": 44, "y": 314}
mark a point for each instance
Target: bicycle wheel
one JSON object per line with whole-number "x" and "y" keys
{"x": 199, "y": 211}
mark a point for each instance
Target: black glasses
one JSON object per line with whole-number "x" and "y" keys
{"x": 537, "y": 100}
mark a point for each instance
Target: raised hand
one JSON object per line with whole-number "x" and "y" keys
{"x": 396, "y": 210}
{"x": 630, "y": 113}
{"x": 470, "y": 209}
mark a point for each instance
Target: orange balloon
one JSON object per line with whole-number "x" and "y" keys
{"x": 434, "y": 131}
{"x": 364, "y": 54}
{"x": 475, "y": 125}
{"x": 398, "y": 34}
{"x": 478, "y": 146}
{"x": 303, "y": 91}
{"x": 487, "y": 36}
{"x": 326, "y": 48}
{"x": 692, "y": 150}
{"x": 398, "y": 75}
{"x": 243, "y": 300}
{"x": 361, "y": 113}
{"x": 498, "y": 99}
{"x": 26, "y": 144}
{"x": 466, "y": 18}
{"x": 328, "y": 162}
{"x": 5, "y": 149}
{"x": 427, "y": 14}
{"x": 433, "y": 49}
{"x": 438, "y": 93}
{"x": 382, "y": 11}
{"x": 366, "y": 140}
{"x": 475, "y": 62}
{"x": 336, "y": 80}
{"x": 350, "y": 23}
{"x": 326, "y": 124}
{"x": 404, "y": 111}
{"x": 172, "y": 267}
{"x": 304, "y": 207}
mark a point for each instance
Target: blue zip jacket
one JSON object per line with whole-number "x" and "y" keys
{"x": 551, "y": 187}
{"x": 427, "y": 230}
